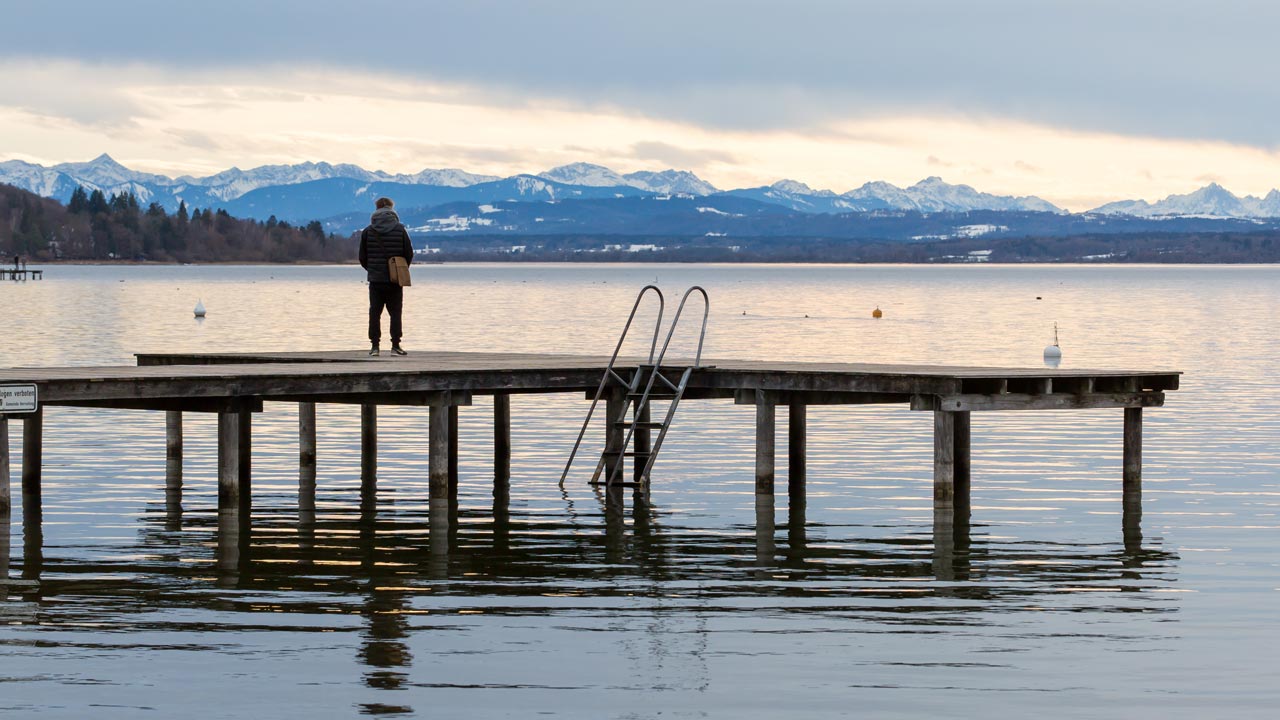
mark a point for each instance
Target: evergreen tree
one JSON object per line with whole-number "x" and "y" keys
{"x": 79, "y": 200}
{"x": 97, "y": 203}
{"x": 182, "y": 212}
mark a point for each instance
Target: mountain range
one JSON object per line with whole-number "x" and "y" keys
{"x": 291, "y": 191}
{"x": 671, "y": 201}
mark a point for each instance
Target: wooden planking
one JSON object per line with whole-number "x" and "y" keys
{"x": 162, "y": 383}
{"x": 1022, "y": 401}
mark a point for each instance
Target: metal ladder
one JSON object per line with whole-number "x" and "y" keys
{"x": 648, "y": 382}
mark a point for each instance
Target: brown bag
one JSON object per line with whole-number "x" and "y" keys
{"x": 399, "y": 269}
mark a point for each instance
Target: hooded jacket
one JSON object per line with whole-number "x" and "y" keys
{"x": 384, "y": 239}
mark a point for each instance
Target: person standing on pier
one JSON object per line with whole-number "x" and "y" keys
{"x": 383, "y": 239}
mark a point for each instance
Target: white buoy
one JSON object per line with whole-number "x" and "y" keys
{"x": 1053, "y": 353}
{"x": 200, "y": 308}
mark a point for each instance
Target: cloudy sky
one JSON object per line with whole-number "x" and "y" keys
{"x": 1078, "y": 102}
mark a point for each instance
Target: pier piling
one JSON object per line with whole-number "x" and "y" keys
{"x": 501, "y": 441}
{"x": 766, "y": 442}
{"x": 32, "y": 449}
{"x": 307, "y": 460}
{"x": 1133, "y": 449}
{"x": 797, "y": 450}
{"x": 453, "y": 450}
{"x": 368, "y": 449}
{"x": 641, "y": 439}
{"x": 951, "y": 461}
{"x": 234, "y": 460}
{"x": 438, "y": 441}
{"x": 173, "y": 458}
{"x": 614, "y": 435}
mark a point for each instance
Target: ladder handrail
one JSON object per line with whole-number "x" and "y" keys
{"x": 604, "y": 380}
{"x": 706, "y": 311}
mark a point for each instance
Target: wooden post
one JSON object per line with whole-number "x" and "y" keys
{"x": 368, "y": 449}
{"x": 453, "y": 451}
{"x": 944, "y": 459}
{"x": 32, "y": 445}
{"x": 234, "y": 454}
{"x": 32, "y": 509}
{"x": 501, "y": 441}
{"x": 438, "y": 452}
{"x": 796, "y": 448}
{"x": 173, "y": 434}
{"x": 765, "y": 442}
{"x": 307, "y": 459}
{"x": 615, "y": 401}
{"x": 6, "y": 502}
{"x": 1133, "y": 449}
{"x": 961, "y": 421}
{"x": 173, "y": 456}
{"x": 640, "y": 440}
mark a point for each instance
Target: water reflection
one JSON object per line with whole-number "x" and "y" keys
{"x": 657, "y": 581}
{"x": 491, "y": 549}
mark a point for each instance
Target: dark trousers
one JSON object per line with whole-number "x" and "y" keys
{"x": 387, "y": 295}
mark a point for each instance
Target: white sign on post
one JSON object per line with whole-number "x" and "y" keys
{"x": 18, "y": 399}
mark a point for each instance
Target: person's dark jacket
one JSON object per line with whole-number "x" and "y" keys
{"x": 384, "y": 239}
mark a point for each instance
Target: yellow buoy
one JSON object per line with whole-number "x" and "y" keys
{"x": 877, "y": 313}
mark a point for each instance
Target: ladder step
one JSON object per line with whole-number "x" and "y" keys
{"x": 628, "y": 453}
{"x": 655, "y": 395}
{"x": 628, "y": 423}
{"x": 617, "y": 483}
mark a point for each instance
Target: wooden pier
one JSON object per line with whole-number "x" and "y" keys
{"x": 235, "y": 386}
{"x": 12, "y": 274}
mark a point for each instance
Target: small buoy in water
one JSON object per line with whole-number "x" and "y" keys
{"x": 877, "y": 313}
{"x": 200, "y": 308}
{"x": 1053, "y": 353}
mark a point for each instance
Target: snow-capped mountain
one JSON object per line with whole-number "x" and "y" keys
{"x": 795, "y": 195}
{"x": 934, "y": 195}
{"x": 586, "y": 174}
{"x": 929, "y": 195}
{"x": 105, "y": 174}
{"x": 103, "y": 171}
{"x": 880, "y": 195}
{"x": 670, "y": 182}
{"x": 1212, "y": 200}
{"x": 37, "y": 179}
{"x": 665, "y": 182}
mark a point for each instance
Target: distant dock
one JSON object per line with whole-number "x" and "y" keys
{"x": 235, "y": 386}
{"x": 11, "y": 274}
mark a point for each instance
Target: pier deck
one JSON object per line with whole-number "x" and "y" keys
{"x": 235, "y": 386}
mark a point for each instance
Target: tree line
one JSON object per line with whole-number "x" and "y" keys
{"x": 94, "y": 226}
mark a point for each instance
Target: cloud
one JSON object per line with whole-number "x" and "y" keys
{"x": 72, "y": 93}
{"x": 680, "y": 157}
{"x": 742, "y": 65}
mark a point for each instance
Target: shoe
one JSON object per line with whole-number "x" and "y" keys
{"x": 398, "y": 350}
{"x": 373, "y": 352}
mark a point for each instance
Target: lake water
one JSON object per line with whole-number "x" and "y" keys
{"x": 555, "y": 603}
